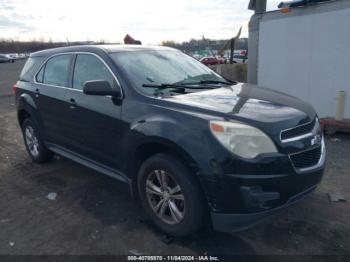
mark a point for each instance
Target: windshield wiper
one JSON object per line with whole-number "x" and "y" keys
{"x": 176, "y": 86}
{"x": 227, "y": 82}
{"x": 208, "y": 82}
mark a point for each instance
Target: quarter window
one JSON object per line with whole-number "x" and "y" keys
{"x": 30, "y": 68}
{"x": 89, "y": 68}
{"x": 57, "y": 71}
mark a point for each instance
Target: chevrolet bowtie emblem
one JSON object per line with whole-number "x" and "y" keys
{"x": 316, "y": 140}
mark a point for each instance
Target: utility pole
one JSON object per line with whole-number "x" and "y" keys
{"x": 232, "y": 45}
{"x": 232, "y": 48}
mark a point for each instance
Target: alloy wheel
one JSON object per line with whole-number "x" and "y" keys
{"x": 31, "y": 141}
{"x": 165, "y": 197}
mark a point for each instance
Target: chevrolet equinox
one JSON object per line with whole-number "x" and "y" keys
{"x": 193, "y": 146}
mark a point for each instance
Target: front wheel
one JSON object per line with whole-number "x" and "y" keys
{"x": 170, "y": 195}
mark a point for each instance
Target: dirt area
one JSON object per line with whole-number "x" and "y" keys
{"x": 94, "y": 214}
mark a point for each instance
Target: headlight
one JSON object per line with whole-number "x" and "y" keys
{"x": 242, "y": 140}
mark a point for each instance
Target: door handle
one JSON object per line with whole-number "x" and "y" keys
{"x": 73, "y": 104}
{"x": 37, "y": 92}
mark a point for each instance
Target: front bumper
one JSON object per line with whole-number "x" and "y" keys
{"x": 237, "y": 222}
{"x": 239, "y": 201}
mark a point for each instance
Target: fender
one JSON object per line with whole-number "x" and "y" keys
{"x": 25, "y": 99}
{"x": 192, "y": 145}
{"x": 26, "y": 103}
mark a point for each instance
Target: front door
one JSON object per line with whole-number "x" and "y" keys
{"x": 94, "y": 120}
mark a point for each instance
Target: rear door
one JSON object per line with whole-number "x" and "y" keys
{"x": 94, "y": 129}
{"x": 50, "y": 87}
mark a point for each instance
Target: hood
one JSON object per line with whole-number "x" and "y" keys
{"x": 251, "y": 103}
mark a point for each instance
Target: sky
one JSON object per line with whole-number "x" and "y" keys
{"x": 151, "y": 21}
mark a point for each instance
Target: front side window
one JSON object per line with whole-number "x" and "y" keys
{"x": 57, "y": 70}
{"x": 40, "y": 75}
{"x": 89, "y": 68}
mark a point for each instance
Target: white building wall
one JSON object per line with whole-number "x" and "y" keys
{"x": 307, "y": 56}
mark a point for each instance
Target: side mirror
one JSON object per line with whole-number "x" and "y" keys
{"x": 100, "y": 88}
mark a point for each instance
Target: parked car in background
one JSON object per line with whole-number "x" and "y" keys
{"x": 192, "y": 146}
{"x": 211, "y": 61}
{"x": 6, "y": 59}
{"x": 240, "y": 59}
{"x": 222, "y": 59}
{"x": 197, "y": 57}
{"x": 21, "y": 56}
{"x": 13, "y": 56}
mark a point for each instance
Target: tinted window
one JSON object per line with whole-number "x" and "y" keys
{"x": 88, "y": 68}
{"x": 30, "y": 68}
{"x": 57, "y": 70}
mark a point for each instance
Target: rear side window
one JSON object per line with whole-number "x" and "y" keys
{"x": 56, "y": 71}
{"x": 88, "y": 68}
{"x": 30, "y": 68}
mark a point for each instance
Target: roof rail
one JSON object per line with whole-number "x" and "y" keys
{"x": 299, "y": 3}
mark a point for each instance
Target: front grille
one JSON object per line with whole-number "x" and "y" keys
{"x": 297, "y": 131}
{"x": 307, "y": 158}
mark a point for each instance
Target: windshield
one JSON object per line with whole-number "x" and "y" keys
{"x": 163, "y": 67}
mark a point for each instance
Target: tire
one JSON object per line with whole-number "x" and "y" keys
{"x": 180, "y": 217}
{"x": 34, "y": 142}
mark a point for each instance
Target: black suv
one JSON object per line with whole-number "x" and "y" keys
{"x": 191, "y": 145}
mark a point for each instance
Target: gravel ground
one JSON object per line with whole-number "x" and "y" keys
{"x": 9, "y": 73}
{"x": 93, "y": 214}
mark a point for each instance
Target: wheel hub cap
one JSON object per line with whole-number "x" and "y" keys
{"x": 31, "y": 141}
{"x": 165, "y": 197}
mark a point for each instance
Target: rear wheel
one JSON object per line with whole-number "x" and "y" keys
{"x": 34, "y": 143}
{"x": 170, "y": 195}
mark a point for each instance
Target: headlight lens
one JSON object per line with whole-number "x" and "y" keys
{"x": 242, "y": 140}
